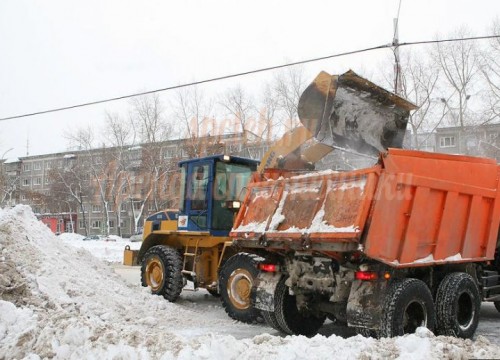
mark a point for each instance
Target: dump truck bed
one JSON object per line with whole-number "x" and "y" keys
{"x": 413, "y": 209}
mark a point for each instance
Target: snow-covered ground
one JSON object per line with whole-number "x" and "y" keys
{"x": 67, "y": 302}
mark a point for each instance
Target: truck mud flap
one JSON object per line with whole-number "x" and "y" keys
{"x": 263, "y": 290}
{"x": 365, "y": 302}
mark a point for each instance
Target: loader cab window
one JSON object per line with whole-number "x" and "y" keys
{"x": 229, "y": 184}
{"x": 199, "y": 187}
{"x": 182, "y": 199}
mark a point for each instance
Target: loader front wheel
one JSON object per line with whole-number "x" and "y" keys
{"x": 161, "y": 271}
{"x": 236, "y": 278}
{"x": 292, "y": 321}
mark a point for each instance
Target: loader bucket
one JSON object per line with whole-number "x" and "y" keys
{"x": 349, "y": 112}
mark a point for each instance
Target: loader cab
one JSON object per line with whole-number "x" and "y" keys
{"x": 208, "y": 185}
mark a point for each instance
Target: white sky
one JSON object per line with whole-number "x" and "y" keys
{"x": 59, "y": 53}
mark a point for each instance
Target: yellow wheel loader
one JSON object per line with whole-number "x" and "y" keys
{"x": 192, "y": 243}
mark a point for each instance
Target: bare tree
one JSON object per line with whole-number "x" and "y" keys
{"x": 8, "y": 186}
{"x": 121, "y": 135}
{"x": 70, "y": 184}
{"x": 491, "y": 72}
{"x": 148, "y": 116}
{"x": 288, "y": 87}
{"x": 459, "y": 63}
{"x": 99, "y": 161}
{"x": 238, "y": 105}
{"x": 194, "y": 112}
{"x": 268, "y": 110}
{"x": 420, "y": 84}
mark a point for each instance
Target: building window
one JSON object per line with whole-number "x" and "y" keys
{"x": 96, "y": 224}
{"x": 151, "y": 206}
{"x": 23, "y": 197}
{"x": 47, "y": 180}
{"x": 447, "y": 141}
{"x": 26, "y": 182}
{"x": 37, "y": 181}
{"x": 81, "y": 224}
{"x": 111, "y": 224}
{"x": 170, "y": 153}
{"x": 26, "y": 167}
{"x": 48, "y": 165}
{"x": 123, "y": 207}
{"x": 37, "y": 166}
{"x": 96, "y": 208}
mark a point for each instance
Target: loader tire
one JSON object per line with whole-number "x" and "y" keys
{"x": 161, "y": 271}
{"x": 457, "y": 306}
{"x": 236, "y": 278}
{"x": 290, "y": 320}
{"x": 408, "y": 305}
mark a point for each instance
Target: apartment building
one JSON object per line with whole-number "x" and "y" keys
{"x": 84, "y": 190}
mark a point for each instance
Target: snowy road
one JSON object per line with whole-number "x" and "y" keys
{"x": 489, "y": 323}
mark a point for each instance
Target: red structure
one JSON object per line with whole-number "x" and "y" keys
{"x": 59, "y": 223}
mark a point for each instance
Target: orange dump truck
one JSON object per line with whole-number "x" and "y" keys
{"x": 409, "y": 242}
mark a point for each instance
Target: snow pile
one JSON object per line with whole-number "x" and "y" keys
{"x": 60, "y": 302}
{"x": 111, "y": 251}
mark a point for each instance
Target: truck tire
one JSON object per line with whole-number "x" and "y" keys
{"x": 290, "y": 320}
{"x": 457, "y": 306}
{"x": 366, "y": 332}
{"x": 408, "y": 305}
{"x": 236, "y": 278}
{"x": 161, "y": 270}
{"x": 271, "y": 321}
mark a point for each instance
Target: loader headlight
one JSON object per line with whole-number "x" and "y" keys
{"x": 233, "y": 204}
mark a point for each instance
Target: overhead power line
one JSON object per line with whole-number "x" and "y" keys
{"x": 90, "y": 103}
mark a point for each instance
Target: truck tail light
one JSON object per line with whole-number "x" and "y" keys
{"x": 366, "y": 275}
{"x": 268, "y": 267}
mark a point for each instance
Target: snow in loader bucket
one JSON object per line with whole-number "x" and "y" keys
{"x": 349, "y": 112}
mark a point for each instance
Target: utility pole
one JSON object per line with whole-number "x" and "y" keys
{"x": 397, "y": 65}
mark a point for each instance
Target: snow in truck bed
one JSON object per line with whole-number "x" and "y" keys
{"x": 60, "y": 302}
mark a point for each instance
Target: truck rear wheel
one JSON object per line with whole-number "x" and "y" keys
{"x": 161, "y": 270}
{"x": 236, "y": 278}
{"x": 457, "y": 306}
{"x": 290, "y": 320}
{"x": 270, "y": 319}
{"x": 408, "y": 305}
